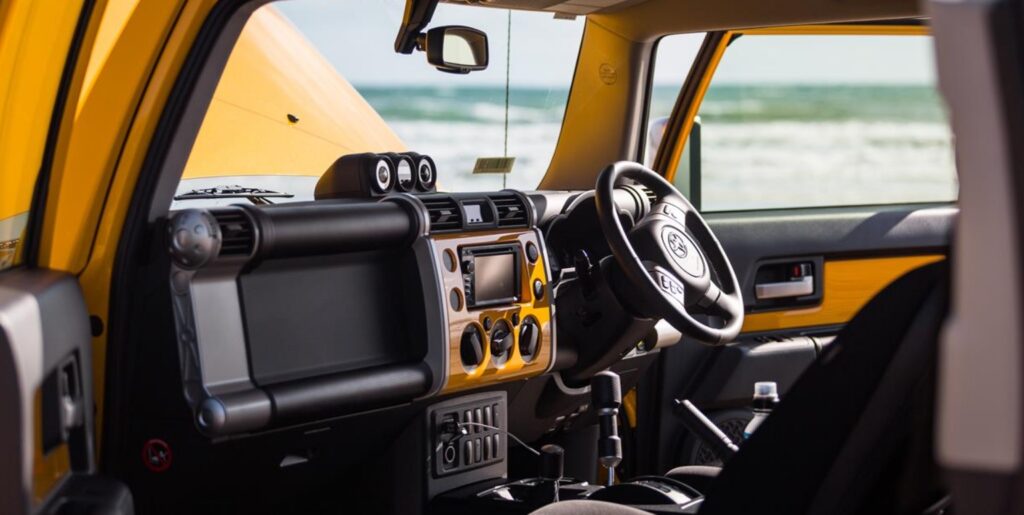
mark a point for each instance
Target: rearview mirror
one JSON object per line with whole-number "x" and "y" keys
{"x": 456, "y": 49}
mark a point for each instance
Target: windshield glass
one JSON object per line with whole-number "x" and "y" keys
{"x": 310, "y": 81}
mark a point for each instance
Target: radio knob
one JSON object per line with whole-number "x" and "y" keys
{"x": 529, "y": 339}
{"x": 467, "y": 266}
{"x": 501, "y": 341}
{"x": 471, "y": 347}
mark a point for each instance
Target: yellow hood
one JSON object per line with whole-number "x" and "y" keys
{"x": 272, "y": 73}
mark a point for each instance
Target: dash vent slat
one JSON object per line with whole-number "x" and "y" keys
{"x": 511, "y": 211}
{"x": 444, "y": 214}
{"x": 237, "y": 235}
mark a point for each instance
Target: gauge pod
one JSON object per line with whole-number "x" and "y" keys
{"x": 426, "y": 172}
{"x": 404, "y": 171}
{"x": 358, "y": 175}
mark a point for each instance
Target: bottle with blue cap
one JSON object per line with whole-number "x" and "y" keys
{"x": 766, "y": 397}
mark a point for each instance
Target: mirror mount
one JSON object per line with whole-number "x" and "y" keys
{"x": 417, "y": 15}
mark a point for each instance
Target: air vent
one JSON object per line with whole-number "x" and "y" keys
{"x": 237, "y": 234}
{"x": 511, "y": 211}
{"x": 444, "y": 214}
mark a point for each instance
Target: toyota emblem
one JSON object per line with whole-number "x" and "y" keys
{"x": 677, "y": 245}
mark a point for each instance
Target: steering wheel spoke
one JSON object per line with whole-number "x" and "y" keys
{"x": 718, "y": 303}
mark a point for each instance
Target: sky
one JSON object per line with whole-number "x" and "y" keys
{"x": 357, "y": 37}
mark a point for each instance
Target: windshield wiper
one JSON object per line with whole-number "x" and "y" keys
{"x": 257, "y": 196}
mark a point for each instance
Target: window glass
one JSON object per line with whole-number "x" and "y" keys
{"x": 832, "y": 120}
{"x": 673, "y": 59}
{"x": 310, "y": 81}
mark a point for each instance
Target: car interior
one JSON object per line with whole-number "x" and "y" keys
{"x": 371, "y": 337}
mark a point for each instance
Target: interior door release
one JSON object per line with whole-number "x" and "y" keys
{"x": 800, "y": 283}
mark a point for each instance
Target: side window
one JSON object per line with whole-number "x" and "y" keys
{"x": 794, "y": 121}
{"x": 673, "y": 59}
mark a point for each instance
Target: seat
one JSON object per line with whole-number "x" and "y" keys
{"x": 854, "y": 433}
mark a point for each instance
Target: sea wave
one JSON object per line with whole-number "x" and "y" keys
{"x": 762, "y": 146}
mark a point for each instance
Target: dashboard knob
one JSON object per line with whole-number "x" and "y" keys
{"x": 471, "y": 347}
{"x": 529, "y": 339}
{"x": 501, "y": 341}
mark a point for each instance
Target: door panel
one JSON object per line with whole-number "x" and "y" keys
{"x": 46, "y": 398}
{"x": 848, "y": 284}
{"x": 856, "y": 252}
{"x": 46, "y": 401}
{"x": 861, "y": 249}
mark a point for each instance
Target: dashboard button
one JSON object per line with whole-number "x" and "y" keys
{"x": 515, "y": 318}
{"x": 455, "y": 298}
{"x": 449, "y": 260}
{"x": 532, "y": 253}
{"x": 538, "y": 289}
{"x": 488, "y": 323}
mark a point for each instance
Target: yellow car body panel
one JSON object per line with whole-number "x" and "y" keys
{"x": 34, "y": 40}
{"x": 272, "y": 73}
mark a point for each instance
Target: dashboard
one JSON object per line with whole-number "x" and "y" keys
{"x": 376, "y": 294}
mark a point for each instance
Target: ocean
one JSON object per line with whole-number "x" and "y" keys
{"x": 763, "y": 146}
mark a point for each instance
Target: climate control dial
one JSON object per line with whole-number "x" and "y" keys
{"x": 471, "y": 347}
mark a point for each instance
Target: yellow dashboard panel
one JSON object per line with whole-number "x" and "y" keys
{"x": 460, "y": 377}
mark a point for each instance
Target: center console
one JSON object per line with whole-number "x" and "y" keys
{"x": 468, "y": 436}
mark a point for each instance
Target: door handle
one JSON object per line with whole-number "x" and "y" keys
{"x": 785, "y": 289}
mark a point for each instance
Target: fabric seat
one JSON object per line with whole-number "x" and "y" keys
{"x": 697, "y": 476}
{"x": 854, "y": 433}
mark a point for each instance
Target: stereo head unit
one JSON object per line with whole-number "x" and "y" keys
{"x": 490, "y": 275}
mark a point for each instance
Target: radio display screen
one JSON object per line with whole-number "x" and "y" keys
{"x": 494, "y": 278}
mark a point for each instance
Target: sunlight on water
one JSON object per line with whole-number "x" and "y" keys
{"x": 763, "y": 146}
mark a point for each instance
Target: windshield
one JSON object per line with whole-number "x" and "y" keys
{"x": 310, "y": 81}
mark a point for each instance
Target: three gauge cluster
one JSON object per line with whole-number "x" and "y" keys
{"x": 375, "y": 175}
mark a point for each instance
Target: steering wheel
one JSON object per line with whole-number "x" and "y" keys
{"x": 671, "y": 257}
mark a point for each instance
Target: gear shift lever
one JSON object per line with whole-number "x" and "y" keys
{"x": 552, "y": 458}
{"x": 606, "y": 397}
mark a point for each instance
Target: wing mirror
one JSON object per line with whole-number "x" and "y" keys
{"x": 455, "y": 49}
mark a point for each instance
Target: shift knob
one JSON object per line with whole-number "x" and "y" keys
{"x": 605, "y": 391}
{"x": 552, "y": 459}
{"x": 606, "y": 397}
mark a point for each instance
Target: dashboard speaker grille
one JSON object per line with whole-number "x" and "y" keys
{"x": 237, "y": 235}
{"x": 511, "y": 211}
{"x": 444, "y": 214}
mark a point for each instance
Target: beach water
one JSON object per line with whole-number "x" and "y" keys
{"x": 763, "y": 146}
